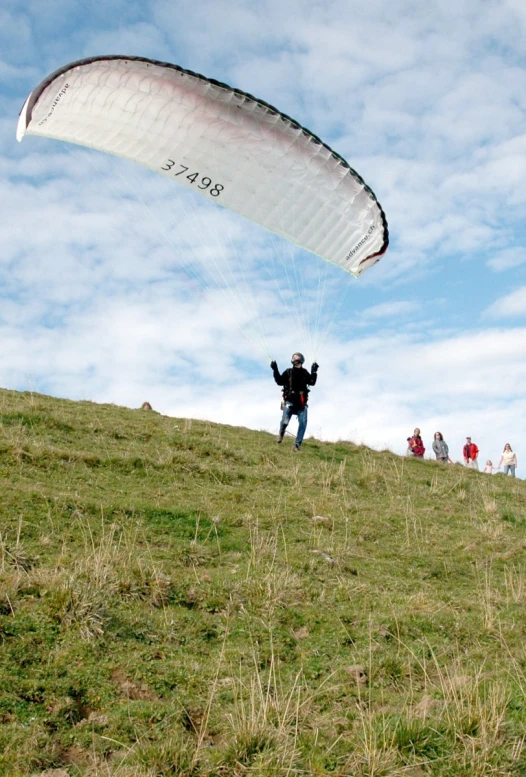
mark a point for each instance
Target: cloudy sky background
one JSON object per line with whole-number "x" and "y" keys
{"x": 103, "y": 296}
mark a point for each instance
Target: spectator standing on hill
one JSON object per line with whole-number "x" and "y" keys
{"x": 488, "y": 469}
{"x": 415, "y": 445}
{"x": 441, "y": 448}
{"x": 508, "y": 460}
{"x": 470, "y": 453}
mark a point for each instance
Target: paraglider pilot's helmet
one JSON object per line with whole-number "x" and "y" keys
{"x": 297, "y": 357}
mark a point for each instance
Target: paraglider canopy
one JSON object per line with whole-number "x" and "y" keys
{"x": 232, "y": 148}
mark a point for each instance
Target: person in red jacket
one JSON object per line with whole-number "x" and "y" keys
{"x": 415, "y": 445}
{"x": 470, "y": 453}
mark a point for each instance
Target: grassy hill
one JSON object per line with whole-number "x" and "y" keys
{"x": 184, "y": 598}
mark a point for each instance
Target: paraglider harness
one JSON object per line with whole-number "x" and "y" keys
{"x": 297, "y": 398}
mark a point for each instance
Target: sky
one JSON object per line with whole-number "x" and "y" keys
{"x": 108, "y": 288}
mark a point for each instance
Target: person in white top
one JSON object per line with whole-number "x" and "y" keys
{"x": 508, "y": 461}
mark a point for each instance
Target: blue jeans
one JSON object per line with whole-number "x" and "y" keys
{"x": 509, "y": 468}
{"x": 288, "y": 411}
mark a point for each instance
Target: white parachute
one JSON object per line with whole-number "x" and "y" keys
{"x": 235, "y": 150}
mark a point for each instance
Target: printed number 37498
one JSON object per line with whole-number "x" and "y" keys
{"x": 203, "y": 182}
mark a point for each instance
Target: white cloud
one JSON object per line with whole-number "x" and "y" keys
{"x": 15, "y": 30}
{"x": 510, "y": 306}
{"x": 11, "y": 73}
{"x": 391, "y": 310}
{"x": 139, "y": 39}
{"x": 507, "y": 259}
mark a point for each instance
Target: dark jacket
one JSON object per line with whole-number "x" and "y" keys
{"x": 295, "y": 382}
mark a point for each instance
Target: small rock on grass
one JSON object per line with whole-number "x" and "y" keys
{"x": 357, "y": 672}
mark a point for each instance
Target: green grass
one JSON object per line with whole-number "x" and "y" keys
{"x": 183, "y": 598}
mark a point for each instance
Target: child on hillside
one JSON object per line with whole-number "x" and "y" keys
{"x": 488, "y": 469}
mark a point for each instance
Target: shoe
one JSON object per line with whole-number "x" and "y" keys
{"x": 297, "y": 448}
{"x": 279, "y": 439}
